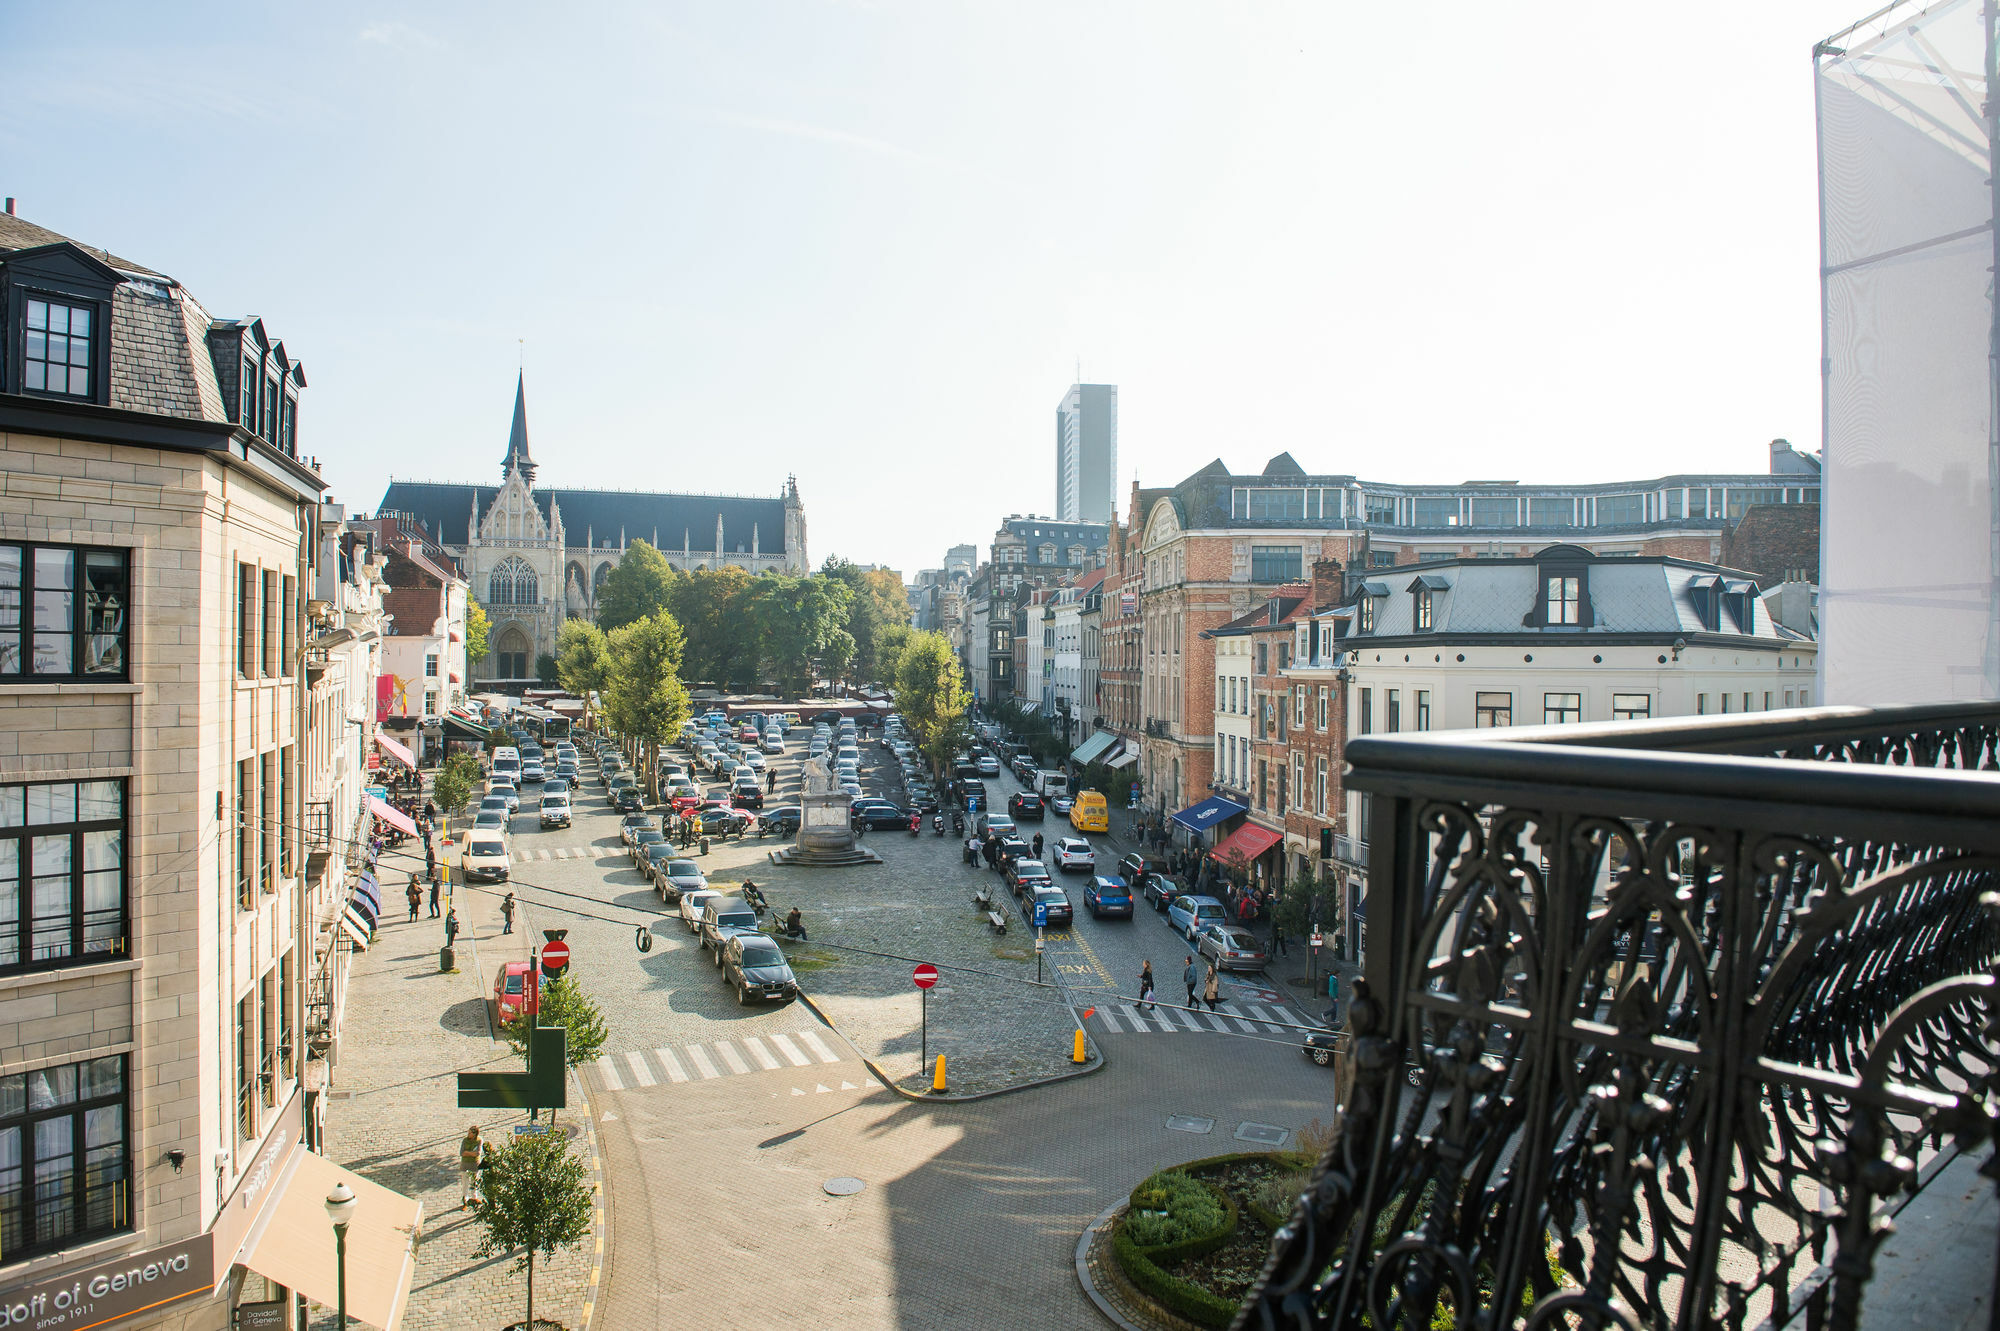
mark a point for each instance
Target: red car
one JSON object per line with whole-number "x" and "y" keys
{"x": 515, "y": 991}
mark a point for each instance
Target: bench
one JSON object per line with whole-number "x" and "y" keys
{"x": 983, "y": 899}
{"x": 997, "y": 920}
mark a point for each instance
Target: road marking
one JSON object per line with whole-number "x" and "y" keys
{"x": 822, "y": 1089}
{"x": 1216, "y": 1021}
{"x": 762, "y": 1055}
{"x": 797, "y": 1091}
{"x": 1111, "y": 1022}
{"x": 670, "y": 1063}
{"x": 701, "y": 1063}
{"x": 1185, "y": 1017}
{"x": 1257, "y": 1012}
{"x": 640, "y": 1072}
{"x": 790, "y": 1051}
{"x": 849, "y": 1086}
{"x": 818, "y": 1046}
{"x": 1249, "y": 1026}
{"x": 610, "y": 1071}
{"x": 731, "y": 1057}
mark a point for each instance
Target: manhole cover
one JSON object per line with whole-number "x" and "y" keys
{"x": 1189, "y": 1123}
{"x": 843, "y": 1187}
{"x": 1261, "y": 1133}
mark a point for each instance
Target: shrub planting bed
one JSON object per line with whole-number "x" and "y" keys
{"x": 1193, "y": 1239}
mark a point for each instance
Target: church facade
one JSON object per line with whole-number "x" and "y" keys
{"x": 536, "y": 555}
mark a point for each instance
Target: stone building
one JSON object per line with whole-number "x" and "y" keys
{"x": 158, "y": 535}
{"x": 534, "y": 555}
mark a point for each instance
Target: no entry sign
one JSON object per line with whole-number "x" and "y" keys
{"x": 555, "y": 954}
{"x": 925, "y": 975}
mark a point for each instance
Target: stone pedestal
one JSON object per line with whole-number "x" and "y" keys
{"x": 826, "y": 824}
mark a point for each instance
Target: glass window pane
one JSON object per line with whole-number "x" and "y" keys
{"x": 38, "y": 314}
{"x": 34, "y": 373}
{"x": 13, "y": 1202}
{"x": 10, "y": 906}
{"x": 103, "y": 1076}
{"x": 13, "y": 1095}
{"x": 13, "y": 806}
{"x": 79, "y": 322}
{"x": 51, "y": 1087}
{"x": 58, "y": 318}
{"x": 38, "y": 346}
{"x": 97, "y": 800}
{"x": 49, "y": 930}
{"x": 52, "y": 803}
{"x": 55, "y": 1171}
{"x": 79, "y": 382}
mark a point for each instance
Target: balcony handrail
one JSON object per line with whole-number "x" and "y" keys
{"x": 1720, "y": 960}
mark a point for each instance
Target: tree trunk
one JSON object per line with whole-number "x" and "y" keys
{"x": 531, "y": 1290}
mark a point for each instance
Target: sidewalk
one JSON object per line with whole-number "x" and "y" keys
{"x": 393, "y": 1115}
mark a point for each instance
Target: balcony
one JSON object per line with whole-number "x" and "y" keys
{"x": 1660, "y": 1021}
{"x": 1350, "y": 850}
{"x": 1157, "y": 728}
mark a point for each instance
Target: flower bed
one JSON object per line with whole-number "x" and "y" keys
{"x": 1195, "y": 1238}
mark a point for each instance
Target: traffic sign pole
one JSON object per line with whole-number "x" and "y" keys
{"x": 924, "y": 976}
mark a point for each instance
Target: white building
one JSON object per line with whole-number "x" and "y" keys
{"x": 1233, "y": 715}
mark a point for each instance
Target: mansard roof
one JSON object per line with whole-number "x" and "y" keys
{"x": 445, "y": 510}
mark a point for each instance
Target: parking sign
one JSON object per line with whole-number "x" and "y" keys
{"x": 1041, "y": 913}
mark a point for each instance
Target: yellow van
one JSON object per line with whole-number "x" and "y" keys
{"x": 1090, "y": 813}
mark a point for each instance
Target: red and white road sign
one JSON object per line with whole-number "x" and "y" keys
{"x": 1316, "y": 939}
{"x": 555, "y": 954}
{"x": 924, "y": 975}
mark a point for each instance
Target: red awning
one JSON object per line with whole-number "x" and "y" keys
{"x": 388, "y": 813}
{"x": 454, "y": 676}
{"x": 396, "y": 751}
{"x": 1246, "y": 843}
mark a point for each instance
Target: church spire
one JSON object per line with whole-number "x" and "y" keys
{"x": 517, "y": 438}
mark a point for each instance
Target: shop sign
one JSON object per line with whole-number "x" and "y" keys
{"x": 260, "y": 1184}
{"x": 113, "y": 1289}
{"x": 261, "y": 1316}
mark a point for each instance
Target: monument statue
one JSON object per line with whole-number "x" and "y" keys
{"x": 826, "y": 823}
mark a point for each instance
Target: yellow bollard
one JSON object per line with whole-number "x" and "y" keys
{"x": 1077, "y": 1055}
{"x": 937, "y": 1078}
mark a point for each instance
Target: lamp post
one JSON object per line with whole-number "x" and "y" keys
{"x": 340, "y": 1207}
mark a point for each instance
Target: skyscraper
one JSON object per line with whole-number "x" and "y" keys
{"x": 1087, "y": 453}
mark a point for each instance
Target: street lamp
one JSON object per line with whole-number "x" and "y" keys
{"x": 340, "y": 1207}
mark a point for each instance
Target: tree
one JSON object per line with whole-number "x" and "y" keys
{"x": 798, "y": 627}
{"x": 453, "y": 786}
{"x": 641, "y": 585}
{"x": 931, "y": 694}
{"x": 711, "y": 606}
{"x": 643, "y": 697}
{"x": 476, "y": 624}
{"x": 583, "y": 657}
{"x": 879, "y": 604}
{"x": 545, "y": 669}
{"x": 565, "y": 1004}
{"x": 534, "y": 1199}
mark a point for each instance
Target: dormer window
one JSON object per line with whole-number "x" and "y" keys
{"x": 57, "y": 355}
{"x": 55, "y": 308}
{"x": 1045, "y": 554}
{"x": 247, "y": 415}
{"x": 1365, "y": 613}
{"x": 1565, "y": 599}
{"x": 1423, "y": 594}
{"x": 1562, "y": 590}
{"x": 1423, "y": 610}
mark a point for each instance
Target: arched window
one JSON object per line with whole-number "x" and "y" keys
{"x": 513, "y": 583}
{"x": 597, "y": 578}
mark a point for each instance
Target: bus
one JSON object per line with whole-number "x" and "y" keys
{"x": 543, "y": 723}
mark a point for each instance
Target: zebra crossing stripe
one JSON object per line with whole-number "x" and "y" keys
{"x": 610, "y": 1071}
{"x": 701, "y": 1063}
{"x": 731, "y": 1057}
{"x": 761, "y": 1054}
{"x": 640, "y": 1072}
{"x": 1110, "y": 1022}
{"x": 1247, "y": 1025}
{"x": 670, "y": 1063}
{"x": 790, "y": 1051}
{"x": 1186, "y": 1018}
{"x": 1216, "y": 1021}
{"x": 818, "y": 1046}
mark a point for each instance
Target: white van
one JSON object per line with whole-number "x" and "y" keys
{"x": 507, "y": 760}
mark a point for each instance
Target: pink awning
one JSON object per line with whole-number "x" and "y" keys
{"x": 396, "y": 751}
{"x": 391, "y": 815}
{"x": 454, "y": 677}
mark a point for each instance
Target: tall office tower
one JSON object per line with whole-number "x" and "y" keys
{"x": 1087, "y": 453}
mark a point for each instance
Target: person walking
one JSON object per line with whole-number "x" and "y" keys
{"x": 771, "y": 782}
{"x": 471, "y": 1158}
{"x": 451, "y": 926}
{"x": 1192, "y": 978}
{"x": 1038, "y": 845}
{"x": 1277, "y": 933}
{"x": 507, "y": 914}
{"x": 1146, "y": 986}
{"x": 1212, "y": 990}
{"x": 436, "y": 887}
{"x": 414, "y": 896}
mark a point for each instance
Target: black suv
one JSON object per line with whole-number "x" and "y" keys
{"x": 1027, "y": 806}
{"x": 880, "y": 814}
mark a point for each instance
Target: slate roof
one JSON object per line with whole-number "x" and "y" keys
{"x": 445, "y": 510}
{"x": 18, "y": 233}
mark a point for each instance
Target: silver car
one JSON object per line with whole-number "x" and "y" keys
{"x": 691, "y": 904}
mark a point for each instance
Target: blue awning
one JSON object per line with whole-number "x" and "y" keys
{"x": 367, "y": 891}
{"x": 1200, "y": 817}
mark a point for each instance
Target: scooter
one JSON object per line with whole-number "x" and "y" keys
{"x": 916, "y": 824}
{"x": 937, "y": 823}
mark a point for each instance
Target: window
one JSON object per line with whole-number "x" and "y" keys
{"x": 1767, "y": 700}
{"x": 1365, "y": 613}
{"x": 1366, "y": 717}
{"x": 1746, "y": 700}
{"x": 1323, "y": 691}
{"x": 1788, "y": 697}
{"x": 1382, "y": 559}
{"x": 270, "y": 627}
{"x": 1701, "y": 704}
{"x": 1277, "y": 505}
{"x": 1562, "y": 709}
{"x": 1045, "y": 553}
{"x": 288, "y": 426}
{"x": 1725, "y": 703}
{"x": 1565, "y": 600}
{"x": 1319, "y": 787}
{"x": 1631, "y": 706}
{"x": 246, "y": 1068}
{"x": 246, "y": 875}
{"x": 246, "y": 414}
{"x": 1558, "y": 512}
{"x": 288, "y": 611}
{"x": 1434, "y": 512}
{"x": 56, "y": 356}
{"x": 1276, "y": 563}
{"x": 1395, "y": 719}
{"x": 513, "y": 583}
{"x": 62, "y": 873}
{"x": 57, "y": 638}
{"x": 1423, "y": 607}
{"x": 1621, "y": 510}
{"x": 1299, "y": 780}
{"x": 246, "y": 621}
{"x": 1502, "y": 511}
{"x": 430, "y": 665}
{"x": 64, "y": 1163}
{"x": 1298, "y": 704}
{"x": 285, "y": 820}
{"x": 267, "y": 812}
{"x": 1423, "y": 709}
{"x": 1381, "y": 510}
{"x": 1263, "y": 784}
{"x": 1492, "y": 710}
{"x": 287, "y": 999}
{"x": 267, "y": 424}
{"x": 1263, "y": 658}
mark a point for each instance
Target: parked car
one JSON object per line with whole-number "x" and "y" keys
{"x": 658, "y": 855}
{"x": 772, "y": 744}
{"x": 1011, "y": 849}
{"x": 746, "y": 796}
{"x": 1073, "y": 852}
{"x": 755, "y": 968}
{"x": 1026, "y": 806}
{"x": 783, "y": 820}
{"x": 1232, "y": 947}
{"x": 644, "y": 837}
{"x": 555, "y": 811}
{"x": 482, "y": 857}
{"x": 491, "y": 820}
{"x": 721, "y": 919}
{"x": 998, "y": 824}
{"x": 515, "y": 993}
{"x": 629, "y": 799}
{"x": 1062, "y": 804}
{"x": 496, "y": 804}
{"x": 1041, "y": 892}
{"x": 691, "y": 904}
{"x": 630, "y": 824}
{"x": 878, "y": 814}
{"x": 555, "y": 785}
{"x": 1108, "y": 896}
{"x": 532, "y": 770}
{"x": 988, "y": 765}
{"x": 1022, "y": 871}
{"x": 1190, "y": 914}
{"x": 499, "y": 788}
{"x": 718, "y": 821}
{"x": 680, "y": 877}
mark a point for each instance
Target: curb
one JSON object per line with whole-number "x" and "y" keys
{"x": 602, "y": 1224}
{"x": 1083, "y": 1245}
{"x": 920, "y": 1097}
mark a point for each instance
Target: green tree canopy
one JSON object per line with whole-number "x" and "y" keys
{"x": 890, "y": 644}
{"x": 455, "y": 782}
{"x": 534, "y": 1199}
{"x": 877, "y": 604}
{"x": 644, "y": 698}
{"x": 545, "y": 669}
{"x": 583, "y": 657}
{"x": 712, "y": 606}
{"x": 476, "y": 625}
{"x": 640, "y": 585}
{"x": 799, "y": 625}
{"x": 931, "y": 694}
{"x": 565, "y": 1004}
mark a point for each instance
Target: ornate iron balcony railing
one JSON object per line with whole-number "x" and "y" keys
{"x": 1680, "y": 1003}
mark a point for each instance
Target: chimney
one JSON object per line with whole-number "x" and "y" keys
{"x": 10, "y": 205}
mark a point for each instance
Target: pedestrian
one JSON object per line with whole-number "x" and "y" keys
{"x": 507, "y": 914}
{"x": 430, "y": 810}
{"x": 430, "y": 858}
{"x": 1038, "y": 845}
{"x": 414, "y": 897}
{"x": 771, "y": 782}
{"x": 1277, "y": 933}
{"x": 1146, "y": 986}
{"x": 451, "y": 926}
{"x": 1213, "y": 989}
{"x": 471, "y": 1159}
{"x": 1192, "y": 978}
{"x": 435, "y": 887}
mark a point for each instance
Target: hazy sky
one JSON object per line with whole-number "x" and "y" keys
{"x": 868, "y": 243}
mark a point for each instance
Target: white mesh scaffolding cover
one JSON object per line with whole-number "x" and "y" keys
{"x": 1908, "y": 587}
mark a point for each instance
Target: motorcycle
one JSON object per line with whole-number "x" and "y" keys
{"x": 958, "y": 824}
{"x": 937, "y": 824}
{"x": 916, "y": 825}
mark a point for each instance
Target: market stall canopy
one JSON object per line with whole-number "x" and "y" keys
{"x": 396, "y": 751}
{"x": 391, "y": 815}
{"x": 1123, "y": 758}
{"x": 1094, "y": 748}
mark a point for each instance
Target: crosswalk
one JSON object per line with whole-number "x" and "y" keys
{"x": 637, "y": 1069}
{"x": 1227, "y": 1018}
{"x": 573, "y": 853}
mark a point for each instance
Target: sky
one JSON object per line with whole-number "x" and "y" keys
{"x": 870, "y": 244}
